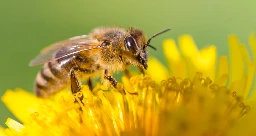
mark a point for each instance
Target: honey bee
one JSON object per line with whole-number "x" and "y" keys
{"x": 102, "y": 52}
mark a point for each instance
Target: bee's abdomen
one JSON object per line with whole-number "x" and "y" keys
{"x": 53, "y": 77}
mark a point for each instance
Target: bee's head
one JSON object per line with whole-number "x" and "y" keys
{"x": 136, "y": 45}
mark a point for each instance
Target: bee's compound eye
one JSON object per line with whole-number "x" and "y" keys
{"x": 130, "y": 44}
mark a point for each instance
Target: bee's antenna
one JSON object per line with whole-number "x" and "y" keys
{"x": 168, "y": 29}
{"x": 152, "y": 47}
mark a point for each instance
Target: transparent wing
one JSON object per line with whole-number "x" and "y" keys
{"x": 66, "y": 48}
{"x": 68, "y": 42}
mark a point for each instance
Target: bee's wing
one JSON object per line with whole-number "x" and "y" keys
{"x": 66, "y": 48}
{"x": 68, "y": 42}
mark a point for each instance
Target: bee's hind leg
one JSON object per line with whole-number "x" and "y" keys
{"x": 76, "y": 88}
{"x": 75, "y": 84}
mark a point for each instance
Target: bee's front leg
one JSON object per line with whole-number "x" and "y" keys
{"x": 141, "y": 70}
{"x": 112, "y": 80}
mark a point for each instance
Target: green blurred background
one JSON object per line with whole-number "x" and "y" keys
{"x": 29, "y": 25}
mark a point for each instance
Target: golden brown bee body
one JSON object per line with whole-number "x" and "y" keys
{"x": 54, "y": 75}
{"x": 102, "y": 52}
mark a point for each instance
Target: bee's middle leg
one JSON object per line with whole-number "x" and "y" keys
{"x": 89, "y": 83}
{"x": 127, "y": 72}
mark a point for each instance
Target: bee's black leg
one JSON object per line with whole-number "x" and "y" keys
{"x": 113, "y": 82}
{"x": 127, "y": 73}
{"x": 111, "y": 79}
{"x": 142, "y": 70}
{"x": 75, "y": 85}
{"x": 89, "y": 83}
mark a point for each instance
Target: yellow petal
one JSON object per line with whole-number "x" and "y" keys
{"x": 245, "y": 54}
{"x": 187, "y": 46}
{"x": 236, "y": 59}
{"x": 223, "y": 66}
{"x": 250, "y": 71}
{"x": 251, "y": 75}
{"x": 221, "y": 80}
{"x": 239, "y": 86}
{"x": 19, "y": 100}
{"x": 2, "y": 131}
{"x": 128, "y": 86}
{"x": 253, "y": 94}
{"x": 252, "y": 42}
{"x": 14, "y": 125}
{"x": 206, "y": 62}
{"x": 203, "y": 61}
{"x": 170, "y": 50}
{"x": 156, "y": 70}
{"x": 176, "y": 64}
{"x": 190, "y": 52}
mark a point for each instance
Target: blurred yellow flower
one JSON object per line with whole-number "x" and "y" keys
{"x": 195, "y": 95}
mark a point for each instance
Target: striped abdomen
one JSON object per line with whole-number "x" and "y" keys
{"x": 53, "y": 77}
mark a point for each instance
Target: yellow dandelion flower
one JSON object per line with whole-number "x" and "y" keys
{"x": 195, "y": 95}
